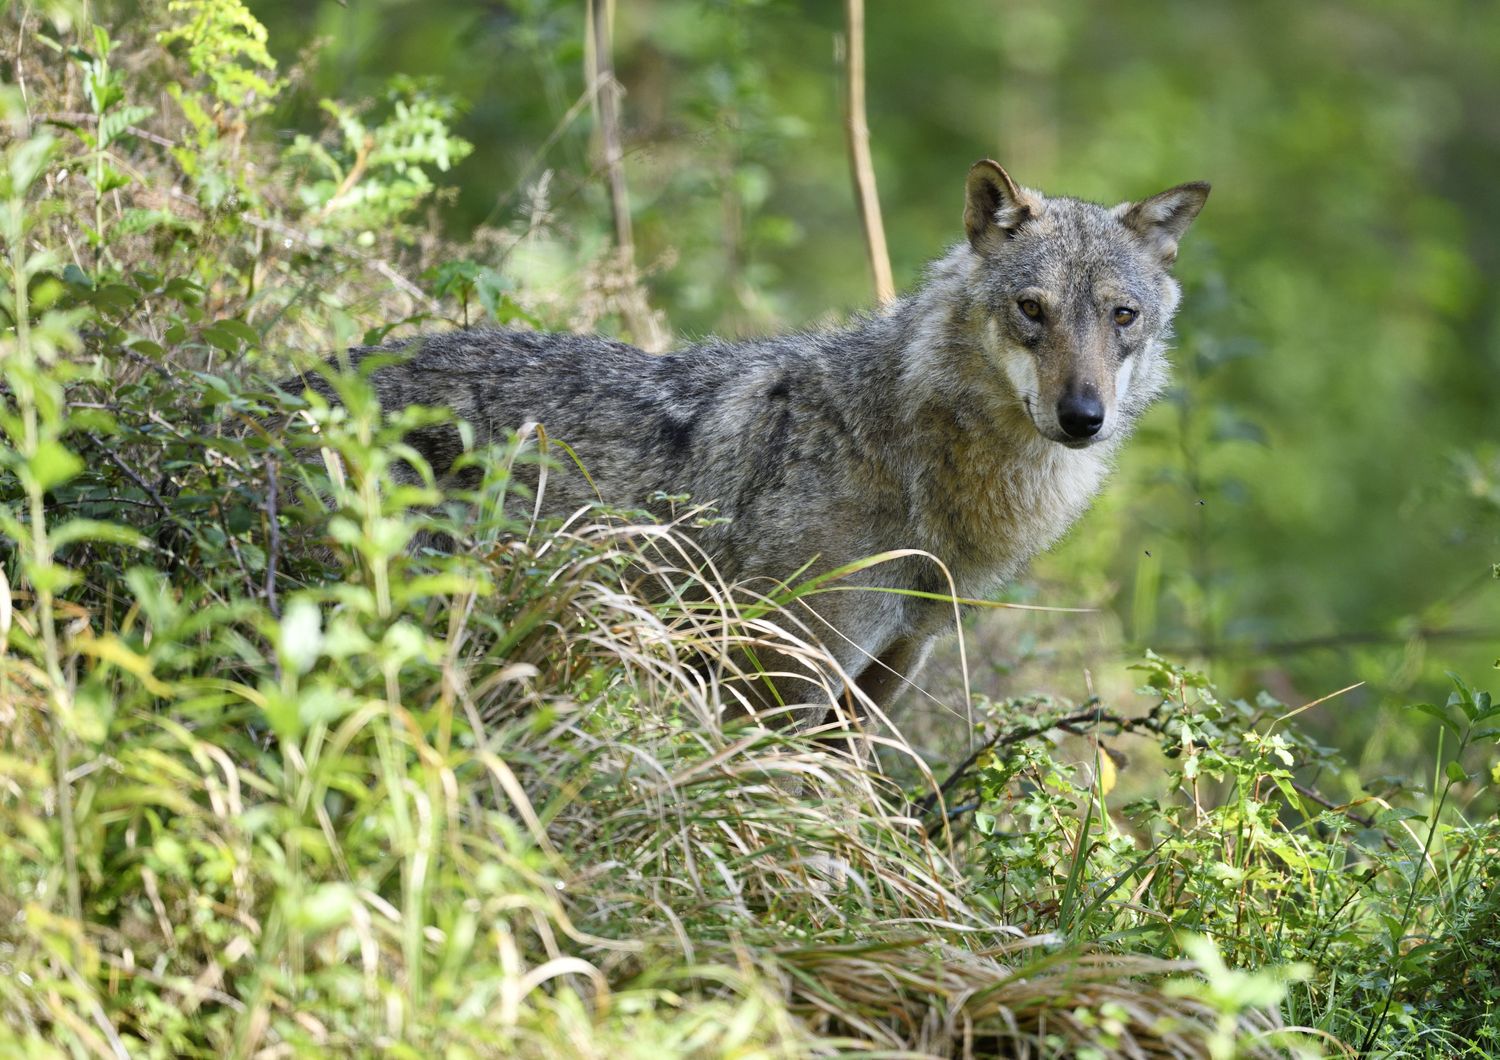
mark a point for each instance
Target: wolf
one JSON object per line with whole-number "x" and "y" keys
{"x": 964, "y": 427}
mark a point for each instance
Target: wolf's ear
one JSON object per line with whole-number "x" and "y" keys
{"x": 993, "y": 206}
{"x": 1161, "y": 219}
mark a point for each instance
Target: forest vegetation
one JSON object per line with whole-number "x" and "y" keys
{"x": 1218, "y": 778}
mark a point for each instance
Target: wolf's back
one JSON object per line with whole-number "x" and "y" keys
{"x": 704, "y": 421}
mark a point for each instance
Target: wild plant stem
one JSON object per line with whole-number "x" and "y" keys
{"x": 1411, "y": 897}
{"x": 861, "y": 167}
{"x": 41, "y": 558}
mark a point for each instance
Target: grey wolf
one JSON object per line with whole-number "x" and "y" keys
{"x": 972, "y": 420}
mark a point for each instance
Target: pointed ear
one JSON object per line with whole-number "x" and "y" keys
{"x": 1161, "y": 219}
{"x": 993, "y": 206}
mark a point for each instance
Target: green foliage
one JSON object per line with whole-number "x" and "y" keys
{"x": 275, "y": 777}
{"x": 1370, "y": 910}
{"x": 468, "y": 281}
{"x": 374, "y": 177}
{"x": 227, "y": 45}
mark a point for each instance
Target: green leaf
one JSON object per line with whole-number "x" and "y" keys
{"x": 1437, "y": 713}
{"x": 53, "y": 464}
{"x": 50, "y": 577}
{"x": 113, "y": 124}
{"x": 28, "y": 161}
{"x": 118, "y": 297}
{"x": 183, "y": 290}
{"x": 326, "y": 906}
{"x": 321, "y": 704}
{"x": 88, "y": 714}
{"x": 217, "y": 335}
{"x": 282, "y": 715}
{"x": 108, "y": 179}
{"x": 239, "y": 519}
{"x": 100, "y": 421}
{"x": 301, "y": 635}
{"x": 97, "y": 530}
{"x": 240, "y": 330}
{"x": 1455, "y": 773}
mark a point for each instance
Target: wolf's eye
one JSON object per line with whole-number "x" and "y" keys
{"x": 1124, "y": 316}
{"x": 1031, "y": 307}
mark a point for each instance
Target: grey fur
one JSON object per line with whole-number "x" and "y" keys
{"x": 930, "y": 425}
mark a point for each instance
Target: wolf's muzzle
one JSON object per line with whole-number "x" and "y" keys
{"x": 1080, "y": 414}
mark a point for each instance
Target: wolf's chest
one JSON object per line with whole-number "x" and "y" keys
{"x": 1005, "y": 508}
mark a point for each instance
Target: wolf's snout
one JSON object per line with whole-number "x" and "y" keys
{"x": 1080, "y": 414}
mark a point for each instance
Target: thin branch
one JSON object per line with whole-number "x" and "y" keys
{"x": 1312, "y": 794}
{"x": 562, "y": 126}
{"x": 860, "y": 165}
{"x": 361, "y": 161}
{"x": 1329, "y": 640}
{"x": 130, "y": 473}
{"x": 1077, "y": 724}
{"x": 77, "y": 117}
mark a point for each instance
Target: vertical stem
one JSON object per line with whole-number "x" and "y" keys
{"x": 860, "y": 165}
{"x": 606, "y": 97}
{"x": 41, "y": 558}
{"x": 1411, "y": 902}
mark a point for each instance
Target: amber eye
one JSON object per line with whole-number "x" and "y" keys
{"x": 1031, "y": 307}
{"x": 1124, "y": 316}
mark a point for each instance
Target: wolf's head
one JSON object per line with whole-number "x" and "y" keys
{"x": 1076, "y": 299}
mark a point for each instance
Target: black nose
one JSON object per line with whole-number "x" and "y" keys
{"x": 1080, "y": 414}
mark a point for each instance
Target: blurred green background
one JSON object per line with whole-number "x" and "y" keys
{"x": 1318, "y": 503}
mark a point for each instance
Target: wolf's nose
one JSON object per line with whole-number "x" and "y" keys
{"x": 1080, "y": 414}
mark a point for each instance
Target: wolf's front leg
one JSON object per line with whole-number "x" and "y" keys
{"x": 893, "y": 671}
{"x": 867, "y": 701}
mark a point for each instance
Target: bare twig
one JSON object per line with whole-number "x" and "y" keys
{"x": 1076, "y": 724}
{"x": 78, "y": 117}
{"x": 361, "y": 161}
{"x": 130, "y": 473}
{"x": 860, "y": 166}
{"x": 1312, "y": 794}
{"x": 1349, "y": 639}
{"x": 380, "y": 265}
{"x": 564, "y": 123}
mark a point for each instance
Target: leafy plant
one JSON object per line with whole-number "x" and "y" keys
{"x": 227, "y": 45}
{"x": 374, "y": 176}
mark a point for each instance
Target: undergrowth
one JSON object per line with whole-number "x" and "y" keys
{"x": 275, "y": 781}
